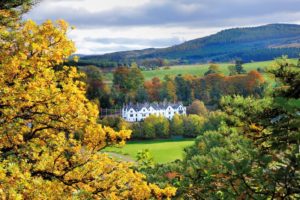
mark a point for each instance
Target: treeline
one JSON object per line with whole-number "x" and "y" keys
{"x": 129, "y": 85}
{"x": 144, "y": 64}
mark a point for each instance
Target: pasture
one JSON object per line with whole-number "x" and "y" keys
{"x": 197, "y": 70}
{"x": 162, "y": 150}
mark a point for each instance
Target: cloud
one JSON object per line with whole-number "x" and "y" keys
{"x": 113, "y": 25}
{"x": 205, "y": 13}
{"x": 158, "y": 42}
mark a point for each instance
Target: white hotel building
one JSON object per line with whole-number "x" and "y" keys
{"x": 138, "y": 112}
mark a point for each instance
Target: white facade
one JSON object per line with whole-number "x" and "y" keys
{"x": 138, "y": 112}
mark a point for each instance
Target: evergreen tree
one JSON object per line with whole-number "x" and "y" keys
{"x": 255, "y": 152}
{"x": 237, "y": 68}
{"x": 183, "y": 89}
{"x": 141, "y": 95}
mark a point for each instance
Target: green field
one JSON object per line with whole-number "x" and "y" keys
{"x": 162, "y": 150}
{"x": 197, "y": 70}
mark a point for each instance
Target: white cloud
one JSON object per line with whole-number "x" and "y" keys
{"x": 151, "y": 21}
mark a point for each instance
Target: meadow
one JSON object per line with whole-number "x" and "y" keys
{"x": 163, "y": 151}
{"x": 197, "y": 69}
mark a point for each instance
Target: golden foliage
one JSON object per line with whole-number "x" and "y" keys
{"x": 49, "y": 135}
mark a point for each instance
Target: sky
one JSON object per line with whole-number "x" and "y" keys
{"x": 104, "y": 26}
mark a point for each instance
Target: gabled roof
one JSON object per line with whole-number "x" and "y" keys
{"x": 156, "y": 106}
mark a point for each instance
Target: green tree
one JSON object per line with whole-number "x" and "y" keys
{"x": 141, "y": 95}
{"x": 135, "y": 78}
{"x": 149, "y": 128}
{"x": 237, "y": 68}
{"x": 117, "y": 123}
{"x": 183, "y": 89}
{"x": 176, "y": 125}
{"x": 126, "y": 82}
{"x": 255, "y": 151}
{"x": 298, "y": 62}
{"x": 156, "y": 126}
{"x": 193, "y": 125}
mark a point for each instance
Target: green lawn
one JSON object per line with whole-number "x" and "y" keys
{"x": 197, "y": 70}
{"x": 162, "y": 150}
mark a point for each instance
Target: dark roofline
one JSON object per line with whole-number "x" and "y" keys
{"x": 155, "y": 105}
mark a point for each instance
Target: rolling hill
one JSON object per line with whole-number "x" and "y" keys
{"x": 249, "y": 44}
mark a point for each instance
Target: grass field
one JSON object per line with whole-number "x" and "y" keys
{"x": 162, "y": 150}
{"x": 197, "y": 70}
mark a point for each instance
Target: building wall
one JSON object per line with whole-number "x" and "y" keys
{"x": 132, "y": 116}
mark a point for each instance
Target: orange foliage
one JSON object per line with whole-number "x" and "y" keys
{"x": 153, "y": 88}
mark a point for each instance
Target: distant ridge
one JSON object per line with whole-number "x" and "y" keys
{"x": 249, "y": 44}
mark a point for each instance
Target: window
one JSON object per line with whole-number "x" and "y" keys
{"x": 169, "y": 113}
{"x": 131, "y": 115}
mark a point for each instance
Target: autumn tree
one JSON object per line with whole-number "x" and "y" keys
{"x": 168, "y": 91}
{"x": 212, "y": 87}
{"x": 12, "y": 10}
{"x": 213, "y": 69}
{"x": 126, "y": 82}
{"x": 153, "y": 88}
{"x": 197, "y": 108}
{"x": 49, "y": 135}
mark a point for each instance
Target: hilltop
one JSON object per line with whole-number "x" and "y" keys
{"x": 249, "y": 44}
